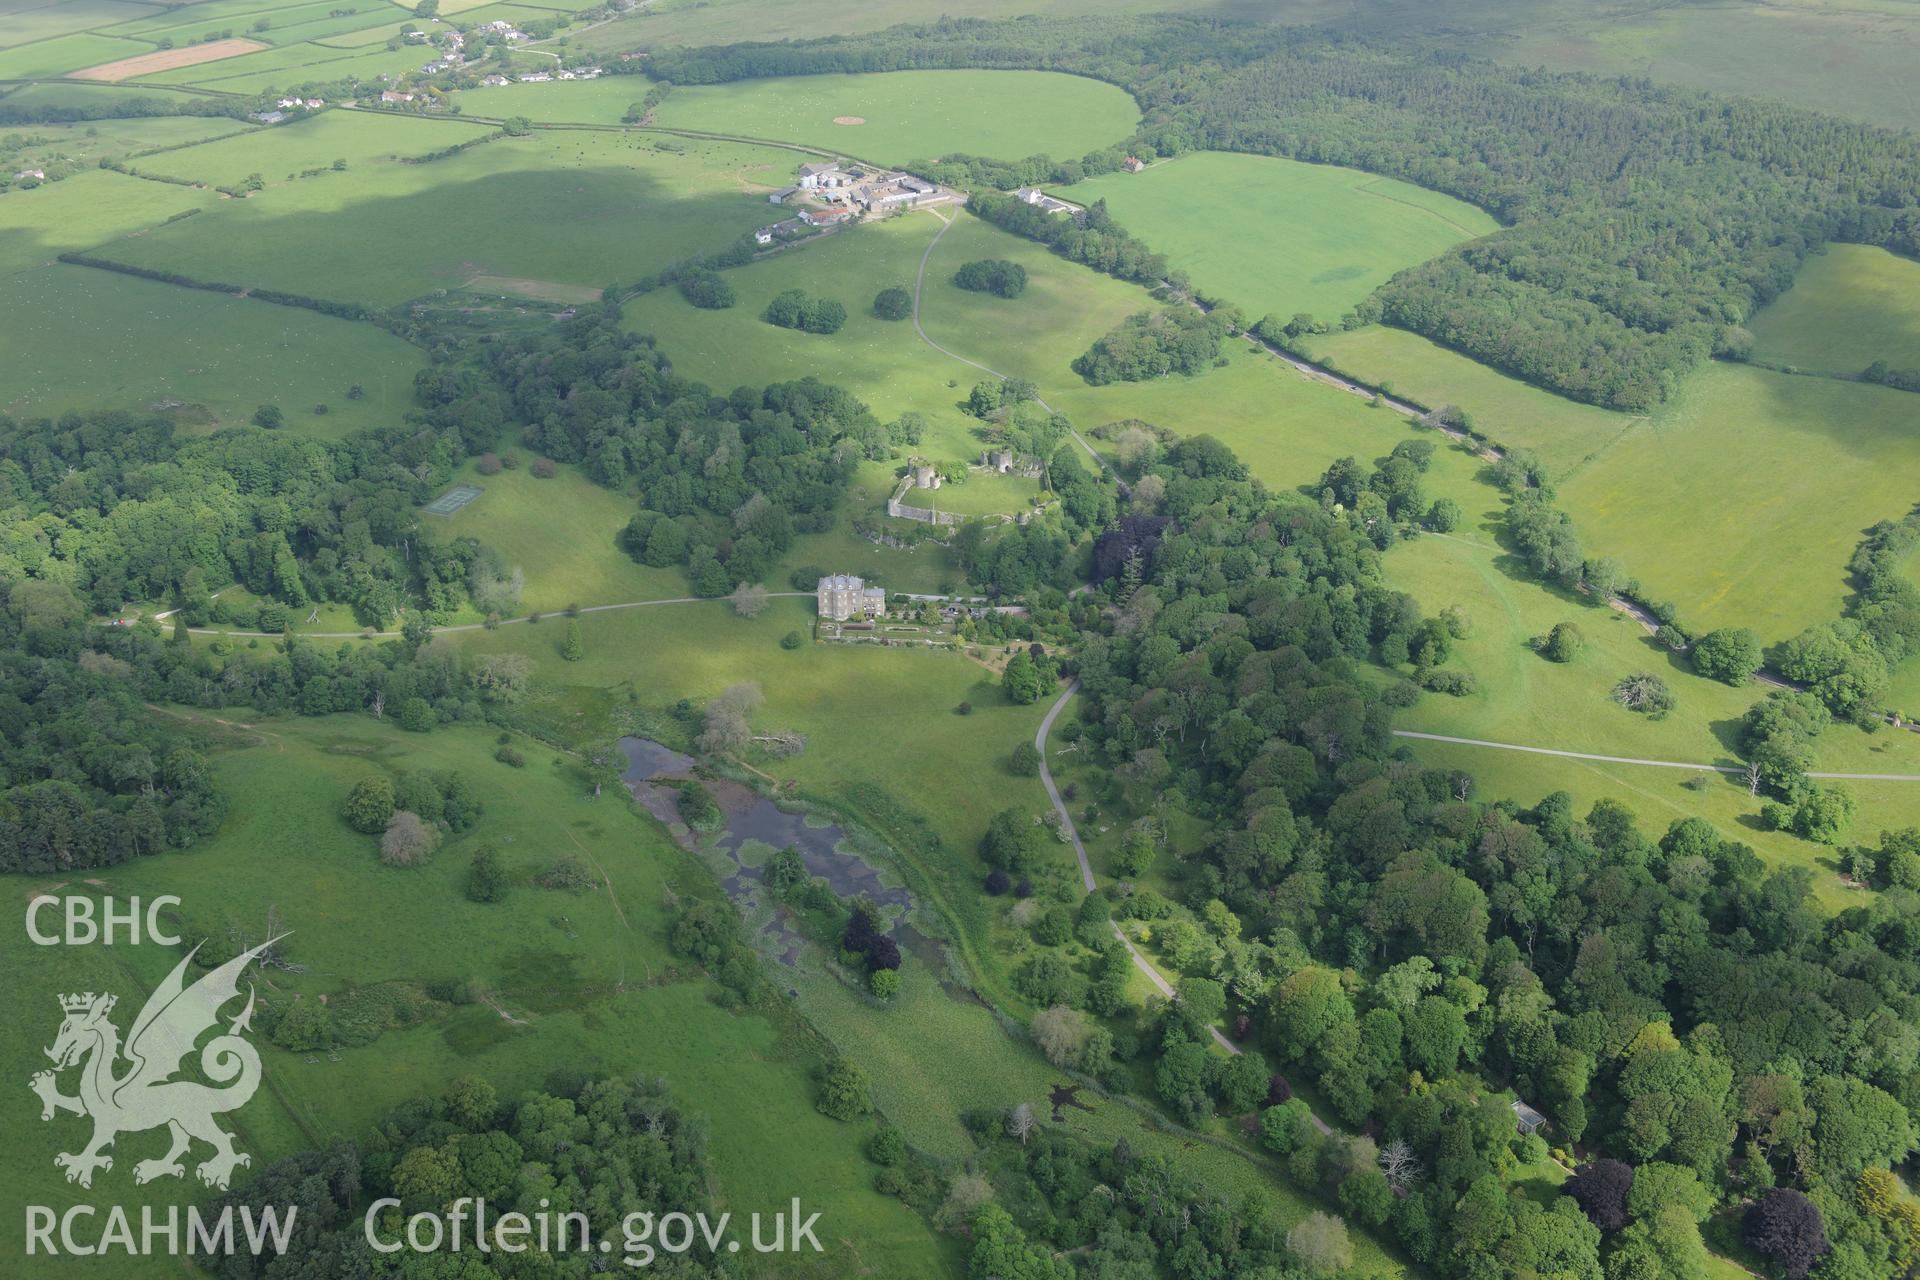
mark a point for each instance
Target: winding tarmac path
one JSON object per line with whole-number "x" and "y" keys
{"x": 1140, "y": 962}
{"x": 1652, "y": 764}
{"x": 481, "y": 626}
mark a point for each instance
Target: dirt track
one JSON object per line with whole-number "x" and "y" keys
{"x": 145, "y": 64}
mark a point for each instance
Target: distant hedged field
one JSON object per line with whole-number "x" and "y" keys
{"x": 1645, "y": 224}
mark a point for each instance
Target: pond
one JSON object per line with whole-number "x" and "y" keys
{"x": 754, "y": 825}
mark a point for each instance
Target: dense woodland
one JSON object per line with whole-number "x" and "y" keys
{"x": 1645, "y": 224}
{"x": 605, "y": 1149}
{"x": 1368, "y": 927}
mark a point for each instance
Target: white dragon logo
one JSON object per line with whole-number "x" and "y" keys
{"x": 147, "y": 1095}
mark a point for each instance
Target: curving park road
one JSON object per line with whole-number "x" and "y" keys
{"x": 1651, "y": 764}
{"x": 1140, "y": 962}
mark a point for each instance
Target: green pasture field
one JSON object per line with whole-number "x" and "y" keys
{"x": 62, "y": 54}
{"x": 602, "y": 101}
{"x": 1511, "y": 413}
{"x": 881, "y": 361}
{"x": 1064, "y": 309}
{"x": 980, "y": 494}
{"x": 209, "y": 15}
{"x": 1287, "y": 428}
{"x": 588, "y": 973}
{"x": 561, "y": 532}
{"x": 290, "y": 67}
{"x": 103, "y": 340}
{"x": 86, "y": 211}
{"x": 98, "y": 140}
{"x": 915, "y": 115}
{"x": 280, "y": 153}
{"x": 363, "y": 37}
{"x": 573, "y": 208}
{"x": 1524, "y": 698}
{"x": 73, "y": 93}
{"x": 1278, "y": 236}
{"x": 1849, "y": 306}
{"x": 25, "y": 21}
{"x": 287, "y": 24}
{"x": 1770, "y": 550}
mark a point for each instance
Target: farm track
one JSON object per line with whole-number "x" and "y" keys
{"x": 481, "y": 626}
{"x": 919, "y": 281}
{"x": 1651, "y": 764}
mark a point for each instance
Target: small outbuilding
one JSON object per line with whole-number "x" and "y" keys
{"x": 1527, "y": 1119}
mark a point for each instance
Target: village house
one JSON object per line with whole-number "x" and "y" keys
{"x": 842, "y": 597}
{"x": 1042, "y": 201}
{"x": 763, "y": 236}
{"x": 1133, "y": 164}
{"x": 494, "y": 81}
{"x": 538, "y": 77}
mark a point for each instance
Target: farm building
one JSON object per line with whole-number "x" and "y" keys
{"x": 843, "y": 596}
{"x": 783, "y": 195}
{"x": 815, "y": 176}
{"x": 1044, "y": 202}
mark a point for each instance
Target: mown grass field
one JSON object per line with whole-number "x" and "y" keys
{"x": 561, "y": 532}
{"x": 1281, "y": 237}
{"x": 1564, "y": 433}
{"x": 1848, "y": 307}
{"x": 914, "y": 115}
{"x": 577, "y": 209}
{"x": 1769, "y": 549}
{"x": 588, "y": 973}
{"x": 103, "y": 340}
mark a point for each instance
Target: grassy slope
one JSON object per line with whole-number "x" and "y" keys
{"x": 1564, "y": 433}
{"x": 108, "y": 341}
{"x": 360, "y": 138}
{"x": 576, "y": 208}
{"x": 84, "y": 211}
{"x": 602, "y": 999}
{"x": 1523, "y": 698}
{"x": 1848, "y": 307}
{"x": 915, "y": 115}
{"x": 1770, "y": 550}
{"x": 1279, "y": 236}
